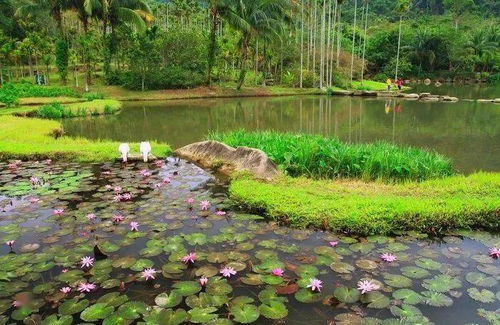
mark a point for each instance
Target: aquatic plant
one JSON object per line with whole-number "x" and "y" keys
{"x": 367, "y": 286}
{"x": 189, "y": 258}
{"x": 319, "y": 157}
{"x": 204, "y": 205}
{"x": 315, "y": 284}
{"x": 278, "y": 272}
{"x": 494, "y": 252}
{"x": 227, "y": 272}
{"x": 87, "y": 262}
{"x": 148, "y": 274}
{"x": 134, "y": 226}
{"x": 388, "y": 257}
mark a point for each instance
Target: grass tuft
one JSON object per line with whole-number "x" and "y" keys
{"x": 318, "y": 157}
{"x": 31, "y": 138}
{"x": 94, "y": 107}
{"x": 358, "y": 207}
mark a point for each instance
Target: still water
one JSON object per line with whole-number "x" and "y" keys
{"x": 70, "y": 213}
{"x": 473, "y": 91}
{"x": 467, "y": 132}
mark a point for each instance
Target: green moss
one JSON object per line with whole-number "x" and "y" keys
{"x": 27, "y": 138}
{"x": 319, "y": 157}
{"x": 375, "y": 208}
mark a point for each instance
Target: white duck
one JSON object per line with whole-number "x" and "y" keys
{"x": 145, "y": 149}
{"x": 124, "y": 149}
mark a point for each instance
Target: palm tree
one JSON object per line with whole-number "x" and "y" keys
{"x": 339, "y": 35}
{"x": 218, "y": 9}
{"x": 364, "y": 41}
{"x": 484, "y": 43}
{"x": 353, "y": 37}
{"x": 402, "y": 7}
{"x": 261, "y": 19}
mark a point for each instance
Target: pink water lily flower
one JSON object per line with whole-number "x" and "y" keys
{"x": 166, "y": 180}
{"x": 315, "y": 284}
{"x": 158, "y": 163}
{"x": 58, "y": 212}
{"x": 220, "y": 213}
{"x": 117, "y": 218}
{"x": 367, "y": 286}
{"x": 126, "y": 197}
{"x": 494, "y": 252}
{"x": 87, "y": 261}
{"x": 64, "y": 270}
{"x": 204, "y": 205}
{"x": 189, "y": 258}
{"x": 10, "y": 243}
{"x": 65, "y": 290}
{"x": 145, "y": 173}
{"x": 17, "y": 303}
{"x": 108, "y": 187}
{"x": 227, "y": 272}
{"x": 278, "y": 272}
{"x": 48, "y": 161}
{"x": 86, "y": 287}
{"x": 333, "y": 243}
{"x": 134, "y": 226}
{"x": 34, "y": 200}
{"x": 388, "y": 257}
{"x": 35, "y": 181}
{"x": 91, "y": 217}
{"x": 190, "y": 200}
{"x": 12, "y": 166}
{"x": 203, "y": 281}
{"x": 148, "y": 273}
{"x": 117, "y": 189}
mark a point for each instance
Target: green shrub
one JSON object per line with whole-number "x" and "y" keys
{"x": 93, "y": 96}
{"x": 52, "y": 110}
{"x": 339, "y": 81}
{"x": 26, "y": 89}
{"x": 319, "y": 157}
{"x": 8, "y": 95}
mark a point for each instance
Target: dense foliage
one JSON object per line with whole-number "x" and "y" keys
{"x": 319, "y": 157}
{"x": 11, "y": 92}
{"x": 153, "y": 44}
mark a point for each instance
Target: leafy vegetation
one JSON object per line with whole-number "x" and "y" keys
{"x": 373, "y": 208}
{"x": 94, "y": 107}
{"x": 319, "y": 157}
{"x": 30, "y": 138}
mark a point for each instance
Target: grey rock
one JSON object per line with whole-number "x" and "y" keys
{"x": 213, "y": 154}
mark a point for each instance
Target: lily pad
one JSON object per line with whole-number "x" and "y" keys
{"x": 346, "y": 295}
{"x": 132, "y": 310}
{"x": 484, "y": 295}
{"x": 341, "y": 267}
{"x": 167, "y": 317}
{"x": 437, "y": 299}
{"x": 187, "y": 288}
{"x": 53, "y": 320}
{"x": 202, "y": 315}
{"x": 428, "y": 264}
{"x": 96, "y": 312}
{"x": 408, "y": 296}
{"x": 397, "y": 281}
{"x": 166, "y": 300}
{"x": 481, "y": 280}
{"x": 442, "y": 283}
{"x": 274, "y": 310}
{"x": 308, "y": 296}
{"x": 414, "y": 272}
{"x": 405, "y": 311}
{"x": 245, "y": 313}
{"x": 73, "y": 306}
{"x": 375, "y": 299}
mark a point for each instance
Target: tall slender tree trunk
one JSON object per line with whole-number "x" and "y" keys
{"x": 399, "y": 47}
{"x": 364, "y": 41}
{"x": 322, "y": 47}
{"x": 314, "y": 31}
{"x": 244, "y": 56}
{"x": 327, "y": 51}
{"x": 354, "y": 37}
{"x": 301, "y": 44}
{"x": 213, "y": 43}
{"x": 333, "y": 43}
{"x": 339, "y": 35}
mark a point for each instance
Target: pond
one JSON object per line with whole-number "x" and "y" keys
{"x": 467, "y": 132}
{"x": 92, "y": 231}
{"x": 461, "y": 91}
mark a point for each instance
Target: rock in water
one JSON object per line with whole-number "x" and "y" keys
{"x": 213, "y": 154}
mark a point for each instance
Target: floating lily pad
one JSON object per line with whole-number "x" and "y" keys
{"x": 113, "y": 299}
{"x": 405, "y": 311}
{"x": 428, "y": 264}
{"x": 414, "y": 272}
{"x": 366, "y": 264}
{"x": 54, "y": 320}
{"x": 484, "y": 295}
{"x": 481, "y": 280}
{"x": 437, "y": 299}
{"x": 308, "y": 296}
{"x": 375, "y": 299}
{"x": 132, "y": 310}
{"x": 73, "y": 306}
{"x": 346, "y": 295}
{"x": 341, "y": 267}
{"x": 142, "y": 264}
{"x": 202, "y": 315}
{"x": 397, "y": 281}
{"x": 245, "y": 313}
{"x": 187, "y": 288}
{"x": 167, "y": 317}
{"x": 96, "y": 312}
{"x": 442, "y": 283}
{"x": 166, "y": 300}
{"x": 218, "y": 287}
{"x": 274, "y": 310}
{"x": 408, "y": 296}
{"x": 207, "y": 271}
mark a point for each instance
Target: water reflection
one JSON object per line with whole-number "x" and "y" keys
{"x": 465, "y": 131}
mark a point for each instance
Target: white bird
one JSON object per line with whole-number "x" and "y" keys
{"x": 124, "y": 149}
{"x": 145, "y": 149}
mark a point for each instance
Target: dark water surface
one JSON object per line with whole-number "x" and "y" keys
{"x": 450, "y": 280}
{"x": 467, "y": 132}
{"x": 471, "y": 91}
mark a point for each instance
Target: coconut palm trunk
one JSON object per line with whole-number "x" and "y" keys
{"x": 399, "y": 47}
{"x": 354, "y": 37}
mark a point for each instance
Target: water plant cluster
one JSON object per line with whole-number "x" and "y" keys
{"x": 159, "y": 244}
{"x": 319, "y": 157}
{"x": 93, "y": 107}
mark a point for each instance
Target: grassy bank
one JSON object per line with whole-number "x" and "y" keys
{"x": 375, "y": 208}
{"x": 27, "y": 138}
{"x": 319, "y": 157}
{"x": 95, "y": 107}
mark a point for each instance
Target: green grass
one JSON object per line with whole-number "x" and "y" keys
{"x": 30, "y": 138}
{"x": 319, "y": 157}
{"x": 374, "y": 208}
{"x": 95, "y": 107}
